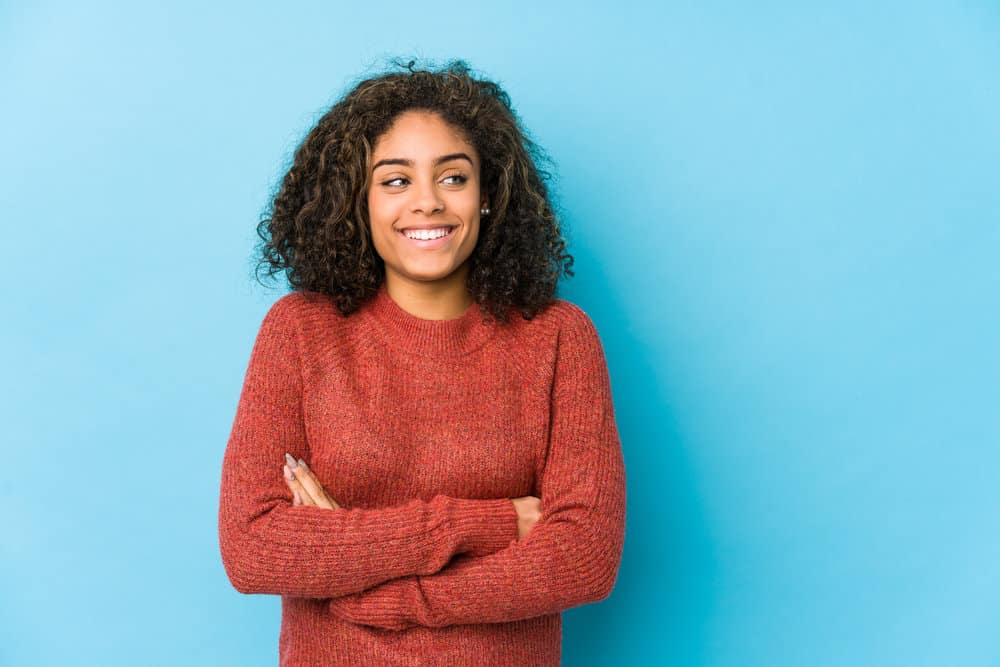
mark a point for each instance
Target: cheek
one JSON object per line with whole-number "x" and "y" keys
{"x": 472, "y": 238}
{"x": 379, "y": 225}
{"x": 374, "y": 205}
{"x": 380, "y": 212}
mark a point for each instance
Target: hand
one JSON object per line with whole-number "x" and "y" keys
{"x": 305, "y": 488}
{"x": 529, "y": 511}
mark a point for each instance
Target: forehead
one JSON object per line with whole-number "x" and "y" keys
{"x": 419, "y": 133}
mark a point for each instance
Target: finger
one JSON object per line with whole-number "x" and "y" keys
{"x": 296, "y": 487}
{"x": 306, "y": 472}
{"x": 312, "y": 486}
{"x": 297, "y": 474}
{"x": 298, "y": 498}
{"x": 316, "y": 489}
{"x": 309, "y": 488}
{"x": 307, "y": 483}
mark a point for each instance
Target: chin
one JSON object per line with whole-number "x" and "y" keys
{"x": 429, "y": 277}
{"x": 429, "y": 274}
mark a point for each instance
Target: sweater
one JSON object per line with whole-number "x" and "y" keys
{"x": 423, "y": 431}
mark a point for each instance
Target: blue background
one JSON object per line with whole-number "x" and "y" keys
{"x": 785, "y": 221}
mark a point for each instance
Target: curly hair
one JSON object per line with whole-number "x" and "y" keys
{"x": 316, "y": 229}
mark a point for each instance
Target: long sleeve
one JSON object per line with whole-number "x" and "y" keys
{"x": 268, "y": 545}
{"x": 571, "y": 556}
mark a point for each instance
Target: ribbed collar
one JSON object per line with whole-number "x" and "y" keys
{"x": 416, "y": 335}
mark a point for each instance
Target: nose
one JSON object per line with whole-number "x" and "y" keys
{"x": 426, "y": 198}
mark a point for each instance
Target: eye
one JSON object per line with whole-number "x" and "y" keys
{"x": 455, "y": 179}
{"x": 395, "y": 182}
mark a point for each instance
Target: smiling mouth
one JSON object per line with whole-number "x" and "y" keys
{"x": 427, "y": 235}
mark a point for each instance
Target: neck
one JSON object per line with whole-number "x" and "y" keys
{"x": 437, "y": 300}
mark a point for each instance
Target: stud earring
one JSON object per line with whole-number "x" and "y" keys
{"x": 484, "y": 211}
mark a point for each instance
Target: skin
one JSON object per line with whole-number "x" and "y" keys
{"x": 439, "y": 184}
{"x": 432, "y": 177}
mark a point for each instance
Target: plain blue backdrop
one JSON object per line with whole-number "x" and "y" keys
{"x": 786, "y": 224}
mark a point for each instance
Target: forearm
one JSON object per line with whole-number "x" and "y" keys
{"x": 541, "y": 575}
{"x": 273, "y": 547}
{"x": 571, "y": 557}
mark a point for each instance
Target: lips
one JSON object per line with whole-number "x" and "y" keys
{"x": 430, "y": 244}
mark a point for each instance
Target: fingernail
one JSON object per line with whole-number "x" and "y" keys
{"x": 288, "y": 474}
{"x": 303, "y": 464}
{"x": 291, "y": 461}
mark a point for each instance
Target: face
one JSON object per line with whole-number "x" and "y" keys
{"x": 424, "y": 200}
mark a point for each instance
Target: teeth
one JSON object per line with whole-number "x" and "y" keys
{"x": 425, "y": 234}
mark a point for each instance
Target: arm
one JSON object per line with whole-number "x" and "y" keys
{"x": 270, "y": 546}
{"x": 570, "y": 557}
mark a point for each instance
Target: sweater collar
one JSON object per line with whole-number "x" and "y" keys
{"x": 398, "y": 328}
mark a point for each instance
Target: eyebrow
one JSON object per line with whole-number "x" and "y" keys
{"x": 409, "y": 163}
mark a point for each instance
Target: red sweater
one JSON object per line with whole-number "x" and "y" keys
{"x": 423, "y": 430}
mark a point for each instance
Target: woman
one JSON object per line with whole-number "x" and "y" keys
{"x": 424, "y": 461}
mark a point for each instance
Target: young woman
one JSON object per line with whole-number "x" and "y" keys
{"x": 424, "y": 461}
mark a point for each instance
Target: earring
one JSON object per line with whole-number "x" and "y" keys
{"x": 484, "y": 211}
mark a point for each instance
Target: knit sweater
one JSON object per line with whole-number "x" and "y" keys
{"x": 423, "y": 431}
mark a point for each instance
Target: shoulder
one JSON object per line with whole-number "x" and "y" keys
{"x": 562, "y": 319}
{"x": 573, "y": 319}
{"x": 564, "y": 340}
{"x": 302, "y": 314}
{"x": 284, "y": 308}
{"x": 303, "y": 305}
{"x": 312, "y": 324}
{"x": 561, "y": 331}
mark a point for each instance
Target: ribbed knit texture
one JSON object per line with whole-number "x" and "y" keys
{"x": 423, "y": 431}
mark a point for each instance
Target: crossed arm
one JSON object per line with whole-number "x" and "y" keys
{"x": 270, "y": 546}
{"x": 439, "y": 562}
{"x": 571, "y": 557}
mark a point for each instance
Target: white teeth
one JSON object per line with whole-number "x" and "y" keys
{"x": 425, "y": 234}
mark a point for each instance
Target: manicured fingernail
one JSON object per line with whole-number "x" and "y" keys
{"x": 303, "y": 464}
{"x": 291, "y": 461}
{"x": 298, "y": 500}
{"x": 288, "y": 474}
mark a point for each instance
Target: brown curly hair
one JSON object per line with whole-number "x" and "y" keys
{"x": 317, "y": 231}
